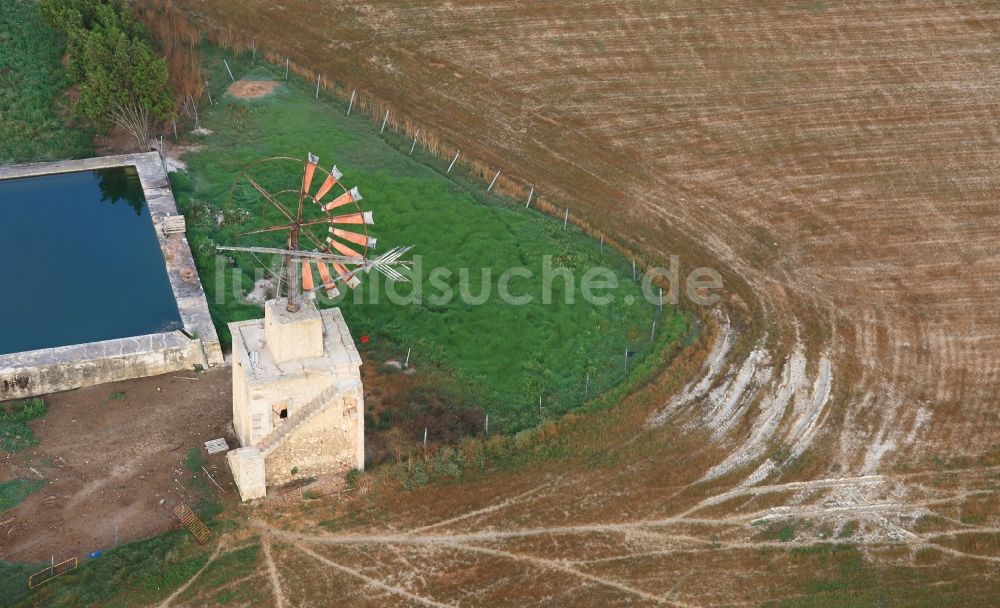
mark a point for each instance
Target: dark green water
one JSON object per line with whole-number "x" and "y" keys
{"x": 80, "y": 261}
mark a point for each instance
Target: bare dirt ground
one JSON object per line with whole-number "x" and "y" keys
{"x": 115, "y": 455}
{"x": 837, "y": 163}
{"x": 252, "y": 89}
{"x": 114, "y": 462}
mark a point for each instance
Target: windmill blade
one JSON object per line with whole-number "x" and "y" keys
{"x": 309, "y": 172}
{"x": 342, "y": 248}
{"x": 365, "y": 217}
{"x": 328, "y": 183}
{"x": 351, "y": 196}
{"x": 347, "y": 276}
{"x": 324, "y": 274}
{"x": 360, "y": 239}
{"x": 307, "y": 276}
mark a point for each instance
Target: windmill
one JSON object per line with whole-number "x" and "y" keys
{"x": 339, "y": 253}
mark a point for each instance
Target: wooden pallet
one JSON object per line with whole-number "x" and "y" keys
{"x": 195, "y": 526}
{"x": 216, "y": 445}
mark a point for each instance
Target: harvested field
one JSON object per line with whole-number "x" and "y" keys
{"x": 836, "y": 442}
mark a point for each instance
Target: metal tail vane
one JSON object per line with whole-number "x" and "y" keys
{"x": 345, "y": 251}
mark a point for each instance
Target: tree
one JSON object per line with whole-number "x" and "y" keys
{"x": 124, "y": 83}
{"x": 78, "y": 18}
{"x": 69, "y": 15}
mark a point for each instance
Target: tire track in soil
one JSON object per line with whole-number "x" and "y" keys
{"x": 215, "y": 554}
{"x": 374, "y": 582}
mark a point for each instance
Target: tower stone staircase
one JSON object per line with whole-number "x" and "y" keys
{"x": 273, "y": 439}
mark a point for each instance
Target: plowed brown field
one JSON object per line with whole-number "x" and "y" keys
{"x": 838, "y": 162}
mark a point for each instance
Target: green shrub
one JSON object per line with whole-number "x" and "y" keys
{"x": 416, "y": 475}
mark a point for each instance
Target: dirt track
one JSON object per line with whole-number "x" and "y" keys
{"x": 837, "y": 161}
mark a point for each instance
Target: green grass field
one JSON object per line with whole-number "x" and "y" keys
{"x": 135, "y": 574}
{"x": 505, "y": 356}
{"x": 32, "y": 88}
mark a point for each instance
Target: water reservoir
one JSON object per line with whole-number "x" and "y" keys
{"x": 81, "y": 261}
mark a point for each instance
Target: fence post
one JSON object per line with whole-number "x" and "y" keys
{"x": 351, "y": 104}
{"x": 319, "y": 77}
{"x": 494, "y": 180}
{"x": 231, "y": 77}
{"x": 530, "y": 194}
{"x": 414, "y": 144}
{"x": 384, "y": 120}
{"x": 407, "y": 362}
{"x": 566, "y": 219}
{"x": 453, "y": 161}
{"x": 209, "y": 92}
{"x": 286, "y": 68}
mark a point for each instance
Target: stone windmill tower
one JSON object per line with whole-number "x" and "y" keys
{"x": 298, "y": 401}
